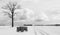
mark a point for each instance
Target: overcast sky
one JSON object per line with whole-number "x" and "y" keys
{"x": 50, "y": 7}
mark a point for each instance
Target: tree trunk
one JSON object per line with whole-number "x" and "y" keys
{"x": 12, "y": 19}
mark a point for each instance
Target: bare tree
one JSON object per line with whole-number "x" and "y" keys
{"x": 11, "y": 7}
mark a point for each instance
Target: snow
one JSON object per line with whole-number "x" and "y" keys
{"x": 12, "y": 31}
{"x": 32, "y": 30}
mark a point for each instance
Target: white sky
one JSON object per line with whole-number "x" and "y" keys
{"x": 38, "y": 6}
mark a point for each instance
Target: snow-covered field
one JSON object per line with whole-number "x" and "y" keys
{"x": 32, "y": 30}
